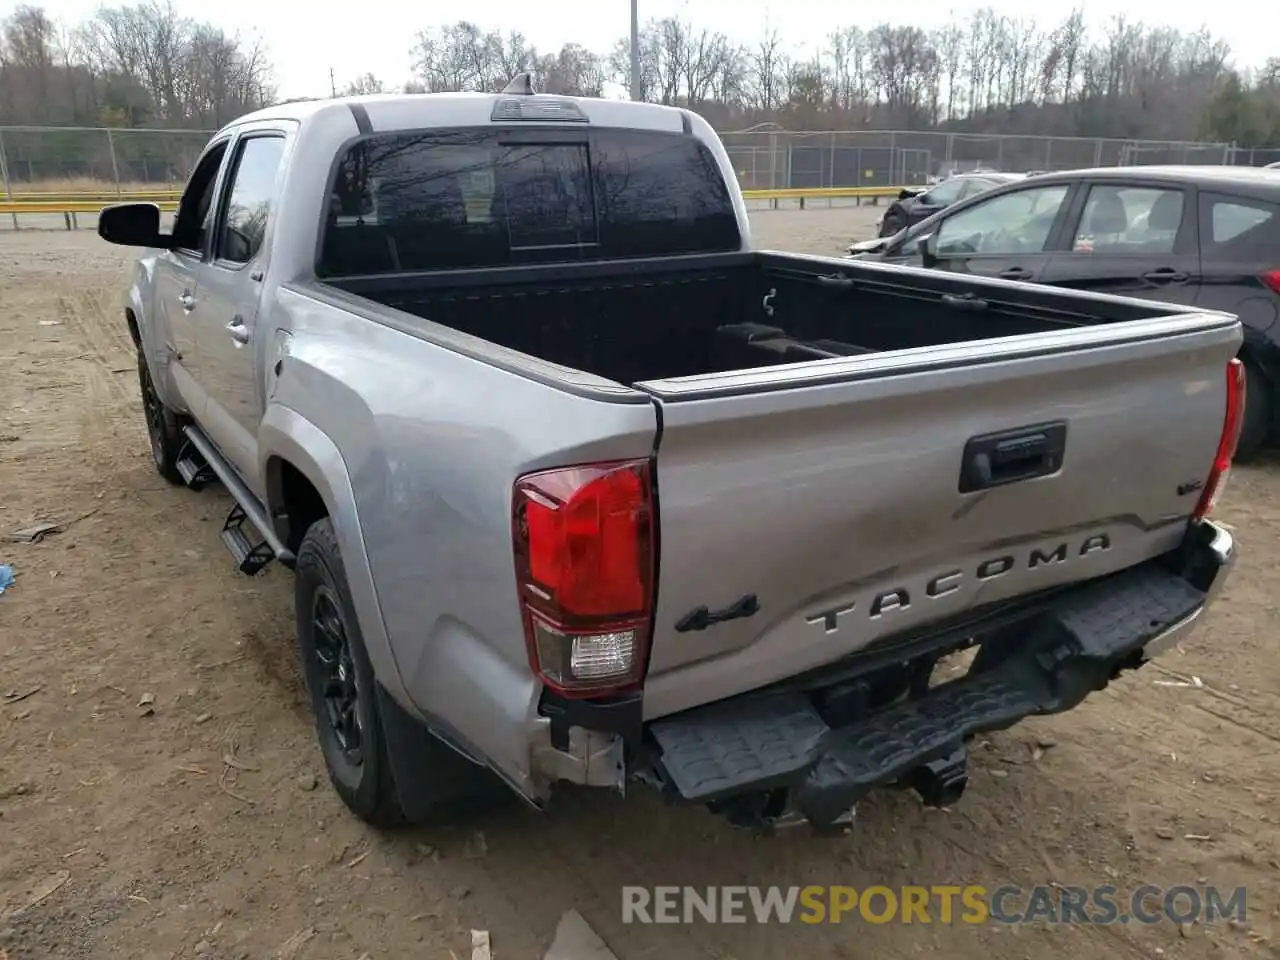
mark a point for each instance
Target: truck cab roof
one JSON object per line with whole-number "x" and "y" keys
{"x": 400, "y": 111}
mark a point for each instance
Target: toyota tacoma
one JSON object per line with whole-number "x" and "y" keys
{"x": 578, "y": 486}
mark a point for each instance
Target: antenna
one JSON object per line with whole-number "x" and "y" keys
{"x": 521, "y": 85}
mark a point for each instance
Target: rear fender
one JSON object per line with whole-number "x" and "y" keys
{"x": 429, "y": 765}
{"x": 1262, "y": 352}
{"x": 285, "y": 436}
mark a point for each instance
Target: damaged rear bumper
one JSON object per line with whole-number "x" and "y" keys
{"x": 768, "y": 750}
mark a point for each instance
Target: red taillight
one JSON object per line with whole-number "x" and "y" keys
{"x": 584, "y": 548}
{"x": 1271, "y": 279}
{"x": 1231, "y": 424}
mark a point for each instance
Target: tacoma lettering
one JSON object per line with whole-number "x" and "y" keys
{"x": 889, "y": 601}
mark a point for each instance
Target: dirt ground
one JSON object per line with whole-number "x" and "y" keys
{"x": 161, "y": 793}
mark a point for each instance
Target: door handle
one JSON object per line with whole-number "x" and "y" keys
{"x": 187, "y": 300}
{"x": 1015, "y": 273}
{"x": 239, "y": 332}
{"x": 1165, "y": 275}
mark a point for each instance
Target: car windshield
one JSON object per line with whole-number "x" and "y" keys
{"x": 1022, "y": 218}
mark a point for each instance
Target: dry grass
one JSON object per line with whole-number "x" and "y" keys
{"x": 62, "y": 187}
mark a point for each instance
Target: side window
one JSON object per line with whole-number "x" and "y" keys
{"x": 1235, "y": 230}
{"x": 945, "y": 193}
{"x": 1129, "y": 220}
{"x": 253, "y": 186}
{"x": 973, "y": 187}
{"x": 1010, "y": 223}
{"x": 197, "y": 199}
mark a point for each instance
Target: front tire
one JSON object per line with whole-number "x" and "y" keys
{"x": 163, "y": 429}
{"x": 891, "y": 224}
{"x": 340, "y": 682}
{"x": 1256, "y": 429}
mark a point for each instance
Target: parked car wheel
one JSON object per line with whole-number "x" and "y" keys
{"x": 1256, "y": 429}
{"x": 340, "y": 682}
{"x": 163, "y": 429}
{"x": 891, "y": 224}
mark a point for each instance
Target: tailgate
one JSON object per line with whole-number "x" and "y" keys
{"x": 831, "y": 491}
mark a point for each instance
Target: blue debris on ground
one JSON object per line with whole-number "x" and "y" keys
{"x": 6, "y": 577}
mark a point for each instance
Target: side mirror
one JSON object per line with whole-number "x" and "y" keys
{"x": 869, "y": 246}
{"x": 132, "y": 225}
{"x": 929, "y": 250}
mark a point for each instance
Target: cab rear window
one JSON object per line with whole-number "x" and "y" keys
{"x": 457, "y": 199}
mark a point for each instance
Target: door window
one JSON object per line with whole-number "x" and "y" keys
{"x": 195, "y": 207}
{"x": 1013, "y": 223}
{"x": 253, "y": 186}
{"x": 944, "y": 194}
{"x": 975, "y": 186}
{"x": 1120, "y": 219}
{"x": 1239, "y": 230}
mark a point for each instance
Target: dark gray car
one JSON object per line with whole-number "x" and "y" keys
{"x": 916, "y": 204}
{"x": 1202, "y": 236}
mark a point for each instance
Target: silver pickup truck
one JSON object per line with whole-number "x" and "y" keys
{"x": 580, "y": 487}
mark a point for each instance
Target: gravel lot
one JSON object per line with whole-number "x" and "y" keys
{"x": 161, "y": 794}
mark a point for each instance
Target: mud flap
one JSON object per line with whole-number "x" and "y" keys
{"x": 428, "y": 773}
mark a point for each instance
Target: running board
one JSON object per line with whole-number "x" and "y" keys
{"x": 193, "y": 468}
{"x": 247, "y": 533}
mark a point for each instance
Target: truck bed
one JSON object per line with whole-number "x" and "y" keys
{"x": 695, "y": 316}
{"x": 946, "y": 444}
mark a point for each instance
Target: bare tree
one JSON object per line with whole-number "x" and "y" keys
{"x": 146, "y": 64}
{"x": 766, "y": 72}
{"x": 365, "y": 83}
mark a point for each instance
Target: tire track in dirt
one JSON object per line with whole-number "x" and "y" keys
{"x": 104, "y": 352}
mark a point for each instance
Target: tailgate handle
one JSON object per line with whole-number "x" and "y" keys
{"x": 996, "y": 459}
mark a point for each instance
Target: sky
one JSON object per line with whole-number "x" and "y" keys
{"x": 306, "y": 41}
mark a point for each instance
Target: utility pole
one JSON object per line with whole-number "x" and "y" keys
{"x": 635, "y": 50}
{"x": 333, "y": 84}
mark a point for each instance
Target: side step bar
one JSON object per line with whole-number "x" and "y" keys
{"x": 201, "y": 459}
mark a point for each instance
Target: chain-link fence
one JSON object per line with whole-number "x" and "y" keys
{"x": 1255, "y": 156}
{"x": 82, "y": 159}
{"x": 769, "y": 159}
{"x": 88, "y": 159}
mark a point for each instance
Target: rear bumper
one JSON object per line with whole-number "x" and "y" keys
{"x": 1213, "y": 549}
{"x": 773, "y": 745}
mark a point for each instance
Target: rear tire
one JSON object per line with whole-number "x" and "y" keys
{"x": 163, "y": 429}
{"x": 340, "y": 682}
{"x": 1256, "y": 429}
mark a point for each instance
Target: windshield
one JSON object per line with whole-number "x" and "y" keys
{"x": 451, "y": 199}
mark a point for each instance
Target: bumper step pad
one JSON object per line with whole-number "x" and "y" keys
{"x": 766, "y": 742}
{"x": 752, "y": 744}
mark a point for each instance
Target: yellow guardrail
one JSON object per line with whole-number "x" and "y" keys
{"x": 69, "y": 206}
{"x": 820, "y": 193}
{"x": 105, "y": 196}
{"x": 72, "y": 203}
